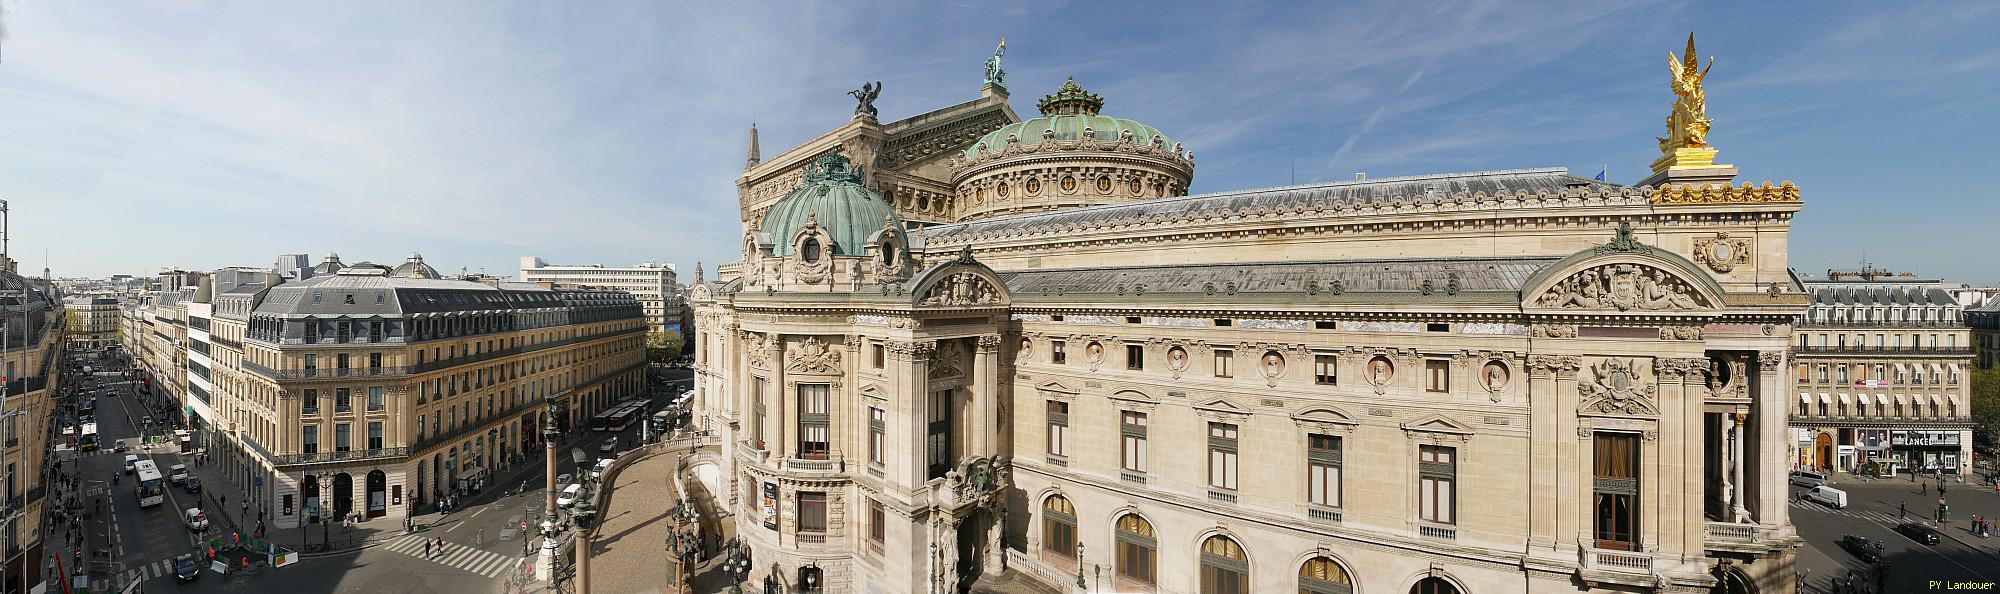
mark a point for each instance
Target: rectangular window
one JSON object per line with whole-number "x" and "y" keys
{"x": 878, "y": 436}
{"x": 312, "y": 363}
{"x": 1843, "y": 373}
{"x": 312, "y": 326}
{"x": 876, "y": 353}
{"x": 1822, "y": 373}
{"x": 1616, "y": 463}
{"x": 309, "y": 399}
{"x": 1056, "y": 354}
{"x": 1437, "y": 482}
{"x": 813, "y": 442}
{"x": 937, "y": 434}
{"x": 375, "y": 329}
{"x": 1325, "y": 371}
{"x": 309, "y": 439}
{"x": 1323, "y": 470}
{"x": 1058, "y": 442}
{"x": 340, "y": 400}
{"x": 1135, "y": 357}
{"x": 1437, "y": 373}
{"x": 340, "y": 361}
{"x": 1132, "y": 433}
{"x": 374, "y": 435}
{"x": 757, "y": 412}
{"x": 1223, "y": 358}
{"x": 1222, "y": 456}
{"x": 375, "y": 398}
{"x": 340, "y": 437}
{"x": 1804, "y": 373}
{"x": 812, "y": 512}
{"x": 878, "y": 524}
{"x": 374, "y": 360}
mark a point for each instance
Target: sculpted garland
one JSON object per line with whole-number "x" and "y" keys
{"x": 1623, "y": 287}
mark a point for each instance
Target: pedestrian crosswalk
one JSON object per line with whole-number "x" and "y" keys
{"x": 1864, "y": 514}
{"x": 156, "y": 569}
{"x": 455, "y": 555}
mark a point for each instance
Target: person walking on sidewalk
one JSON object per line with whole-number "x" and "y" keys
{"x": 427, "y": 548}
{"x": 1902, "y": 509}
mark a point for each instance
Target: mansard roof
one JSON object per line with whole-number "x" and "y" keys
{"x": 1904, "y": 295}
{"x": 1551, "y": 180}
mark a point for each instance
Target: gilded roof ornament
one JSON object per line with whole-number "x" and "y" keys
{"x": 1687, "y": 125}
{"x": 1071, "y": 99}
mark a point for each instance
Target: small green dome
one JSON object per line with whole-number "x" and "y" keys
{"x": 1067, "y": 113}
{"x": 833, "y": 197}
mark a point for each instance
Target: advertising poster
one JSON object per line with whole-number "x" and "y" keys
{"x": 770, "y": 506}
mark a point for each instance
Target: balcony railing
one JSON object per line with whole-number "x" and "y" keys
{"x": 1437, "y": 531}
{"x": 813, "y": 465}
{"x": 1810, "y": 323}
{"x": 812, "y": 538}
{"x": 1885, "y": 420}
{"x": 1726, "y": 531}
{"x": 341, "y": 457}
{"x": 1964, "y": 351}
{"x": 1323, "y": 514}
{"x": 1619, "y": 561}
{"x": 329, "y": 373}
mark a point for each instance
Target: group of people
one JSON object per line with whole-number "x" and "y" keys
{"x": 1982, "y": 526}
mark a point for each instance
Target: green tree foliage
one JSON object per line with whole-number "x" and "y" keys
{"x": 1986, "y": 407}
{"x": 661, "y": 350}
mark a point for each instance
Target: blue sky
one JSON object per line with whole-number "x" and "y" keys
{"x": 135, "y": 136}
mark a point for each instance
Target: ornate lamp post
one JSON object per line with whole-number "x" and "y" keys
{"x": 736, "y": 567}
{"x": 1079, "y": 565}
{"x": 546, "y": 565}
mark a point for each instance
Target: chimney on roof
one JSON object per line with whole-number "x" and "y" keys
{"x": 1360, "y": 176}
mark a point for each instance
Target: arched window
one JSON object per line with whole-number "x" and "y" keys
{"x": 1137, "y": 553}
{"x": 1224, "y": 568}
{"x": 1323, "y": 576}
{"x": 1433, "y": 585}
{"x": 1059, "y": 528}
{"x": 810, "y": 251}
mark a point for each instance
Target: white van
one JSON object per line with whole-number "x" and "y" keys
{"x": 1828, "y": 496}
{"x": 569, "y": 496}
{"x": 1807, "y": 478}
{"x": 130, "y": 461}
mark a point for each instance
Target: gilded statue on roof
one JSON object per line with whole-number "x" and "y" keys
{"x": 1687, "y": 126}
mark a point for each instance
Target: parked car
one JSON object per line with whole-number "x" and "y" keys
{"x": 1919, "y": 532}
{"x": 193, "y": 485}
{"x": 1807, "y": 478}
{"x": 569, "y": 496}
{"x": 196, "y": 519}
{"x": 186, "y": 569}
{"x": 610, "y": 444}
{"x": 597, "y": 472}
{"x": 177, "y": 473}
{"x": 1867, "y": 550}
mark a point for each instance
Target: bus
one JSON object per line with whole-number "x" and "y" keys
{"x": 152, "y": 487}
{"x": 88, "y": 440}
{"x": 663, "y": 421}
{"x": 602, "y": 422}
{"x": 623, "y": 417}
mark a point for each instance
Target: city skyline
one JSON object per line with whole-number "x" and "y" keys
{"x": 624, "y": 145}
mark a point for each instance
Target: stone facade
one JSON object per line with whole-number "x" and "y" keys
{"x": 1429, "y": 382}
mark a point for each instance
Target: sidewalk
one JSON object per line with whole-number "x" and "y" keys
{"x": 1975, "y": 496}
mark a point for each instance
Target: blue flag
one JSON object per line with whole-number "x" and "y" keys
{"x": 1601, "y": 172}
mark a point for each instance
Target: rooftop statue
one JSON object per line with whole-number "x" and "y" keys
{"x": 994, "y": 74}
{"x": 1687, "y": 126}
{"x": 866, "y": 96}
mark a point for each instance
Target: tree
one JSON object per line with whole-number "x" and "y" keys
{"x": 659, "y": 349}
{"x": 1986, "y": 407}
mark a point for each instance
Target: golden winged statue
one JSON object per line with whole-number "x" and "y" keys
{"x": 1687, "y": 126}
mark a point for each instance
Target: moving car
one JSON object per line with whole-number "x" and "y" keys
{"x": 1827, "y": 496}
{"x": 119, "y": 446}
{"x": 569, "y": 496}
{"x": 1919, "y": 532}
{"x": 609, "y": 444}
{"x": 1807, "y": 478}
{"x": 186, "y": 569}
{"x": 130, "y": 460}
{"x": 196, "y": 519}
{"x": 177, "y": 473}
{"x": 564, "y": 480}
{"x": 193, "y": 485}
{"x": 597, "y": 472}
{"x": 1867, "y": 550}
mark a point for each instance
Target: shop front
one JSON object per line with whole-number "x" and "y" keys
{"x": 1926, "y": 452}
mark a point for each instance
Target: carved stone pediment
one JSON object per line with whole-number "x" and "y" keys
{"x": 1325, "y": 419}
{"x": 813, "y": 356}
{"x": 1616, "y": 387}
{"x": 1056, "y": 389}
{"x": 964, "y": 289}
{"x": 1624, "y": 287}
{"x": 1437, "y": 428}
{"x": 1222, "y": 410}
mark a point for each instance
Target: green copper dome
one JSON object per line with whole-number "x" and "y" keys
{"x": 1067, "y": 113}
{"x": 834, "y": 198}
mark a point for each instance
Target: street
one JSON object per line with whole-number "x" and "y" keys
{"x": 483, "y": 543}
{"x": 1873, "y": 512}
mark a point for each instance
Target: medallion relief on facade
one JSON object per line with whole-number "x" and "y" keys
{"x": 1273, "y": 366}
{"x": 962, "y": 289}
{"x": 1623, "y": 287}
{"x": 1177, "y": 360}
{"x": 1494, "y": 376}
{"x": 1094, "y": 354}
{"x": 1380, "y": 371}
{"x": 813, "y": 356}
{"x": 1721, "y": 253}
{"x": 1616, "y": 387}
{"x": 948, "y": 360}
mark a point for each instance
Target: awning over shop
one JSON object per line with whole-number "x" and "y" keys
{"x": 469, "y": 473}
{"x": 1882, "y": 399}
{"x": 1902, "y": 399}
{"x": 1805, "y": 399}
{"x": 1825, "y": 399}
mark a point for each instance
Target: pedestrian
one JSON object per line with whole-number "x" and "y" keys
{"x": 1902, "y": 509}
{"x": 1923, "y": 488}
{"x": 427, "y": 547}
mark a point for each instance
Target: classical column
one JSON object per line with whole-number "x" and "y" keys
{"x": 1735, "y": 494}
{"x": 1773, "y": 437}
{"x": 775, "y": 403}
{"x": 1546, "y": 375}
{"x": 985, "y": 396}
{"x": 1677, "y": 503}
{"x": 910, "y": 374}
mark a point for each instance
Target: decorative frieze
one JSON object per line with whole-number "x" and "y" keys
{"x": 1564, "y": 365}
{"x": 1372, "y": 326}
{"x": 1680, "y": 333}
{"x": 1500, "y": 329}
{"x": 1554, "y": 331}
{"x": 1177, "y": 322}
{"x": 813, "y": 356}
{"x": 871, "y": 320}
{"x": 1085, "y": 319}
{"x": 1623, "y": 287}
{"x": 1784, "y": 192}
{"x": 1022, "y": 317}
{"x": 1616, "y": 387}
{"x": 1273, "y": 324}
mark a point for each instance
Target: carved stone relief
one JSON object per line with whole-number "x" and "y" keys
{"x": 1273, "y": 365}
{"x": 1616, "y": 387}
{"x": 948, "y": 360}
{"x": 962, "y": 289}
{"x": 1177, "y": 360}
{"x": 1680, "y": 333}
{"x": 1494, "y": 377}
{"x": 1094, "y": 354}
{"x": 1721, "y": 253}
{"x": 1624, "y": 287}
{"x": 813, "y": 356}
{"x": 1554, "y": 330}
{"x": 759, "y": 349}
{"x": 1554, "y": 364}
{"x": 1380, "y": 371}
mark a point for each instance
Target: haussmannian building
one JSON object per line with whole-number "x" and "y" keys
{"x": 93, "y": 321}
{"x": 653, "y": 284}
{"x": 370, "y": 390}
{"x": 964, "y": 342}
{"x": 1882, "y": 375}
{"x": 35, "y": 344}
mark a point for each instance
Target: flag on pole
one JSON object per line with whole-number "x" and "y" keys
{"x": 1601, "y": 172}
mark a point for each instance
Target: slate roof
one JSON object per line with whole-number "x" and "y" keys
{"x": 1553, "y": 180}
{"x": 1878, "y": 295}
{"x": 1474, "y": 274}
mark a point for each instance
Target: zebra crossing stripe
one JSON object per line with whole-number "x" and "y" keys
{"x": 492, "y": 566}
{"x": 456, "y": 558}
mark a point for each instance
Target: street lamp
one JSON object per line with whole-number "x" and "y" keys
{"x": 1079, "y": 565}
{"x": 736, "y": 567}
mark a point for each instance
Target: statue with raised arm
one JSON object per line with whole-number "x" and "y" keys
{"x": 866, "y": 96}
{"x": 994, "y": 74}
{"x": 1687, "y": 126}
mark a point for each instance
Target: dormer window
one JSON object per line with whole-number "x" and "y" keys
{"x": 810, "y": 251}
{"x": 888, "y": 254}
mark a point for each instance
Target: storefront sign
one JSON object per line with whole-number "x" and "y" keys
{"x": 1901, "y": 438}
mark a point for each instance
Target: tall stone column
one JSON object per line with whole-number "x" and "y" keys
{"x": 775, "y": 409}
{"x": 1735, "y": 492}
{"x": 1772, "y": 437}
{"x": 1677, "y": 502}
{"x": 909, "y": 363}
{"x": 1551, "y": 404}
{"x": 985, "y": 394}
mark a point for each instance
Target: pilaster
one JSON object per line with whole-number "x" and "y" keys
{"x": 985, "y": 393}
{"x": 1769, "y": 416}
{"x": 1549, "y": 478}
